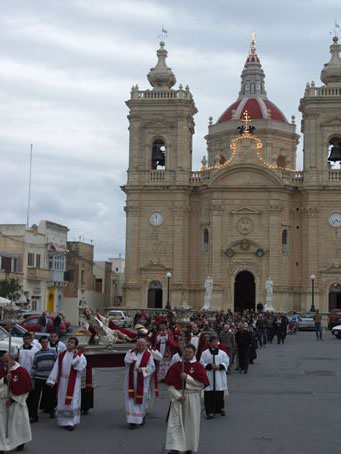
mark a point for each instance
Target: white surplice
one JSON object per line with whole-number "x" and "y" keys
{"x": 136, "y": 412}
{"x": 19, "y": 429}
{"x": 183, "y": 427}
{"x": 26, "y": 357}
{"x": 220, "y": 375}
{"x": 68, "y": 415}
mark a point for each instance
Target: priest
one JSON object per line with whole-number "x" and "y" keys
{"x": 140, "y": 367}
{"x": 185, "y": 380}
{"x": 216, "y": 363}
{"x": 15, "y": 384}
{"x": 67, "y": 373}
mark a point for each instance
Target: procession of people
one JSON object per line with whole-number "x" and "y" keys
{"x": 193, "y": 359}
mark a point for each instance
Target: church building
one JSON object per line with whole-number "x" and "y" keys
{"x": 247, "y": 217}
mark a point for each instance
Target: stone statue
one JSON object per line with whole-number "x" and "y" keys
{"x": 268, "y": 294}
{"x": 208, "y": 293}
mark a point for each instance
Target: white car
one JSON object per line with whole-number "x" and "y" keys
{"x": 120, "y": 318}
{"x": 4, "y": 341}
{"x": 336, "y": 330}
{"x": 306, "y": 321}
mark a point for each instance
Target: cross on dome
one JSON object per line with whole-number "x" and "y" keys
{"x": 246, "y": 120}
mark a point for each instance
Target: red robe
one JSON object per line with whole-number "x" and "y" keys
{"x": 195, "y": 370}
{"x": 20, "y": 380}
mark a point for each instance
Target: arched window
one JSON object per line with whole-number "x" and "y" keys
{"x": 158, "y": 154}
{"x": 285, "y": 244}
{"x": 206, "y": 240}
{"x": 155, "y": 295}
{"x": 281, "y": 161}
{"x": 334, "y": 152}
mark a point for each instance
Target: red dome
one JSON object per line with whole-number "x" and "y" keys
{"x": 257, "y": 108}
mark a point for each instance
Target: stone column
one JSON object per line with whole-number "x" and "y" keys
{"x": 132, "y": 244}
{"x": 275, "y": 241}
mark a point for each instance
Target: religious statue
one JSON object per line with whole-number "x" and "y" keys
{"x": 97, "y": 327}
{"x": 268, "y": 294}
{"x": 208, "y": 293}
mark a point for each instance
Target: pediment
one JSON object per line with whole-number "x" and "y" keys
{"x": 158, "y": 124}
{"x": 246, "y": 176}
{"x": 153, "y": 265}
{"x": 245, "y": 210}
{"x": 335, "y": 121}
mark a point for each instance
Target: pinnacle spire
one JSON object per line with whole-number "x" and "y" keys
{"x": 161, "y": 77}
{"x": 331, "y": 72}
{"x": 252, "y": 76}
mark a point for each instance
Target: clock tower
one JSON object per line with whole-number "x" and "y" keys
{"x": 161, "y": 126}
{"x": 321, "y": 194}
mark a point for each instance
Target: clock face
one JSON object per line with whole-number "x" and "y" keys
{"x": 156, "y": 218}
{"x": 335, "y": 219}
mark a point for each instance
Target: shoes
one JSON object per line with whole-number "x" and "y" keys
{"x": 131, "y": 426}
{"x": 34, "y": 419}
{"x": 245, "y": 371}
{"x": 20, "y": 447}
{"x": 69, "y": 428}
{"x": 222, "y": 412}
{"x": 209, "y": 416}
{"x": 143, "y": 421}
{"x": 85, "y": 412}
{"x": 173, "y": 451}
{"x": 52, "y": 415}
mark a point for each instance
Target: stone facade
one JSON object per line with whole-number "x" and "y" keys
{"x": 247, "y": 214}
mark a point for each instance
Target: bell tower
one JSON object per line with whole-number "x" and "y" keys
{"x": 321, "y": 121}
{"x": 161, "y": 128}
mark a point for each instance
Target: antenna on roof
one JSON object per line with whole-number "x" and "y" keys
{"x": 29, "y": 190}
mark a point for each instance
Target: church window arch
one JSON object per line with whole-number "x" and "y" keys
{"x": 281, "y": 161}
{"x": 334, "y": 152}
{"x": 206, "y": 237}
{"x": 158, "y": 159}
{"x": 285, "y": 242}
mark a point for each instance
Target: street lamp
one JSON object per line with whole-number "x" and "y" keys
{"x": 312, "y": 277}
{"x": 168, "y": 276}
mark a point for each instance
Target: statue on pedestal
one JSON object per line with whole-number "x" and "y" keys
{"x": 208, "y": 293}
{"x": 268, "y": 294}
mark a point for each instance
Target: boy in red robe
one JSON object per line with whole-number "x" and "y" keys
{"x": 15, "y": 384}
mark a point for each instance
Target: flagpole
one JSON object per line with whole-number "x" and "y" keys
{"x": 29, "y": 190}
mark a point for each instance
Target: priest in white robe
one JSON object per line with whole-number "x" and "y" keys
{"x": 15, "y": 429}
{"x": 185, "y": 382}
{"x": 67, "y": 373}
{"x": 216, "y": 363}
{"x": 140, "y": 367}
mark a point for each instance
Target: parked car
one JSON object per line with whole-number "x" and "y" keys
{"x": 120, "y": 318}
{"x": 336, "y": 331}
{"x": 32, "y": 324}
{"x": 306, "y": 321}
{"x": 27, "y": 315}
{"x": 334, "y": 318}
{"x": 4, "y": 341}
{"x": 19, "y": 331}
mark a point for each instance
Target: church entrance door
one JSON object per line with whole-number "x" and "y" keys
{"x": 155, "y": 295}
{"x": 244, "y": 292}
{"x": 335, "y": 297}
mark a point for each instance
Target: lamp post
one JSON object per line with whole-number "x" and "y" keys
{"x": 168, "y": 276}
{"x": 312, "y": 277}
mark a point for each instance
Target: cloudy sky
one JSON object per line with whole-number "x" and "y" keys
{"x": 66, "y": 69}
